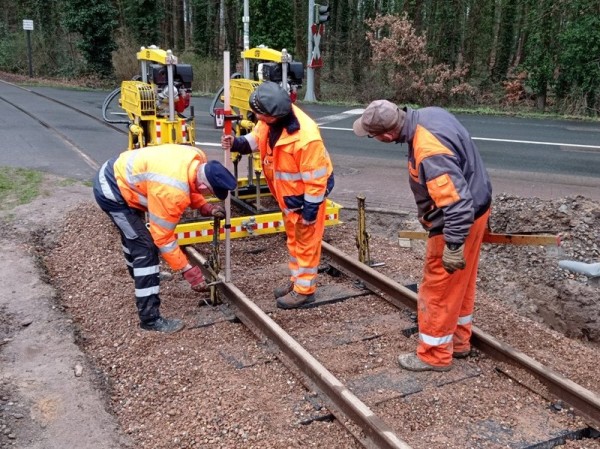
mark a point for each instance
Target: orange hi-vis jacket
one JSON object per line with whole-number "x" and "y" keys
{"x": 162, "y": 181}
{"x": 298, "y": 169}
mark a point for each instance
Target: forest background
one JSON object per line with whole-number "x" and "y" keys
{"x": 539, "y": 55}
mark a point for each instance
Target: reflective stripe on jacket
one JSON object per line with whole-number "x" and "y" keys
{"x": 447, "y": 176}
{"x": 161, "y": 180}
{"x": 298, "y": 169}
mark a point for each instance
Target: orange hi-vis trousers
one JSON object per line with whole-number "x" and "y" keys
{"x": 446, "y": 301}
{"x": 304, "y": 247}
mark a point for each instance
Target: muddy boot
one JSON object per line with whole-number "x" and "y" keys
{"x": 412, "y": 362}
{"x": 294, "y": 300}
{"x": 166, "y": 325}
{"x": 461, "y": 354}
{"x": 283, "y": 290}
{"x": 164, "y": 276}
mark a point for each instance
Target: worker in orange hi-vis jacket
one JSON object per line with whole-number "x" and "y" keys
{"x": 299, "y": 174}
{"x": 162, "y": 180}
{"x": 453, "y": 193}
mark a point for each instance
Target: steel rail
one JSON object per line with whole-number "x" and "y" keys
{"x": 340, "y": 400}
{"x": 581, "y": 399}
{"x": 62, "y": 103}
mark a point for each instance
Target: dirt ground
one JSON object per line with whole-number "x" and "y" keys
{"x": 52, "y": 397}
{"x": 45, "y": 401}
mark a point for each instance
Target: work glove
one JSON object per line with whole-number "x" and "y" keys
{"x": 196, "y": 279}
{"x": 454, "y": 258}
{"x": 212, "y": 210}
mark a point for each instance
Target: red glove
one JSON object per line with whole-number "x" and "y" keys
{"x": 212, "y": 210}
{"x": 196, "y": 279}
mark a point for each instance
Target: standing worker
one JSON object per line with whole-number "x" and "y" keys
{"x": 162, "y": 180}
{"x": 453, "y": 193}
{"x": 299, "y": 174}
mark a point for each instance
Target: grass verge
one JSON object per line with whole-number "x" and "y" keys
{"x": 18, "y": 186}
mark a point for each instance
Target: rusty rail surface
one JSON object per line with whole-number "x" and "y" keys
{"x": 339, "y": 399}
{"x": 586, "y": 402}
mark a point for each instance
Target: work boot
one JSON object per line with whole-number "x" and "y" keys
{"x": 412, "y": 362}
{"x": 461, "y": 354}
{"x": 164, "y": 276}
{"x": 166, "y": 325}
{"x": 283, "y": 290}
{"x": 294, "y": 300}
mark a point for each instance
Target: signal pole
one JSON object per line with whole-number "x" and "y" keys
{"x": 317, "y": 16}
{"x": 310, "y": 71}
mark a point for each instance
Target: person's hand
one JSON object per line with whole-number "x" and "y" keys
{"x": 212, "y": 210}
{"x": 308, "y": 223}
{"x": 226, "y": 142}
{"x": 218, "y": 212}
{"x": 196, "y": 279}
{"x": 453, "y": 258}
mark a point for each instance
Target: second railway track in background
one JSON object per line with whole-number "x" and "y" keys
{"x": 58, "y": 130}
{"x": 350, "y": 363}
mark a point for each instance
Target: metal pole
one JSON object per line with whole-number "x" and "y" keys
{"x": 29, "y": 53}
{"x": 171, "y": 60}
{"x": 310, "y": 72}
{"x": 227, "y": 131}
{"x": 246, "y": 20}
{"x": 285, "y": 59}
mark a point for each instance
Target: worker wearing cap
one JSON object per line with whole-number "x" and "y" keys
{"x": 299, "y": 174}
{"x": 453, "y": 194}
{"x": 163, "y": 181}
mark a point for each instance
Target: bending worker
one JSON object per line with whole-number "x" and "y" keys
{"x": 299, "y": 174}
{"x": 162, "y": 180}
{"x": 453, "y": 194}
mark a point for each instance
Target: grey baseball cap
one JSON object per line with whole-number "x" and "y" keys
{"x": 379, "y": 117}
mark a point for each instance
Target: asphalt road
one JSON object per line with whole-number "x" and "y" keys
{"x": 527, "y": 157}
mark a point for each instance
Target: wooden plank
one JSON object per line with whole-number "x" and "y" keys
{"x": 497, "y": 238}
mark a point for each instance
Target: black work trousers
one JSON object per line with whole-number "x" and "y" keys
{"x": 141, "y": 254}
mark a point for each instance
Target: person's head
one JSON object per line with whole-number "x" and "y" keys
{"x": 269, "y": 101}
{"x": 215, "y": 177}
{"x": 381, "y": 120}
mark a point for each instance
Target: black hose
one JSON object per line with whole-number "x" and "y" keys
{"x": 107, "y": 101}
{"x": 211, "y": 109}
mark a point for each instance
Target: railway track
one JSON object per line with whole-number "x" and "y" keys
{"x": 350, "y": 364}
{"x": 63, "y": 124}
{"x": 365, "y": 391}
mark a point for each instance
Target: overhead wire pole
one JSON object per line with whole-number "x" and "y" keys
{"x": 310, "y": 71}
{"x": 227, "y": 132}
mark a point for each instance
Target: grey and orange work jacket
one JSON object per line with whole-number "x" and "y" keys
{"x": 447, "y": 177}
{"x": 297, "y": 168}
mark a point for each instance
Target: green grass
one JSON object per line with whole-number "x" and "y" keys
{"x": 18, "y": 186}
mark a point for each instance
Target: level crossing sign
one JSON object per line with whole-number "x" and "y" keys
{"x": 317, "y": 32}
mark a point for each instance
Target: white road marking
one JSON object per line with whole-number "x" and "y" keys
{"x": 345, "y": 114}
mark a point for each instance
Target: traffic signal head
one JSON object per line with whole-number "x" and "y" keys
{"x": 321, "y": 13}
